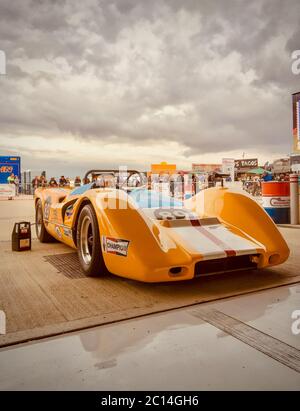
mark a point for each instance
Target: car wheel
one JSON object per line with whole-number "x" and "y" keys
{"x": 41, "y": 232}
{"x": 88, "y": 243}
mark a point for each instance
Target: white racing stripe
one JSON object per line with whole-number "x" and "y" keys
{"x": 210, "y": 240}
{"x": 197, "y": 242}
{"x": 239, "y": 244}
{"x": 214, "y": 241}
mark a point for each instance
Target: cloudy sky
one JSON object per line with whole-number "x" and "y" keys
{"x": 102, "y": 83}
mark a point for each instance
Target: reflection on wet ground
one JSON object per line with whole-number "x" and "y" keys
{"x": 172, "y": 350}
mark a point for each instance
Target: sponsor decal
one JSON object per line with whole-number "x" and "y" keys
{"x": 115, "y": 246}
{"x": 58, "y": 231}
{"x": 54, "y": 214}
{"x": 69, "y": 211}
{"x": 280, "y": 202}
{"x": 24, "y": 243}
{"x": 67, "y": 232}
{"x": 276, "y": 202}
{"x": 6, "y": 169}
{"x": 47, "y": 206}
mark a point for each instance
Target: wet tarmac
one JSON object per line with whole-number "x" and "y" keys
{"x": 168, "y": 351}
{"x": 174, "y": 350}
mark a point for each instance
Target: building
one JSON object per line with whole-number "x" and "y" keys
{"x": 206, "y": 168}
{"x": 163, "y": 168}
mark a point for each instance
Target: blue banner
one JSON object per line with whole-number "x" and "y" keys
{"x": 8, "y": 165}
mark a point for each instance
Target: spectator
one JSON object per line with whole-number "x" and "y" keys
{"x": 255, "y": 190}
{"x": 52, "y": 182}
{"x": 267, "y": 176}
{"x": 211, "y": 180}
{"x": 17, "y": 184}
{"x": 194, "y": 184}
{"x": 11, "y": 179}
{"x": 99, "y": 180}
{"x": 117, "y": 181}
{"x": 62, "y": 181}
{"x": 172, "y": 186}
{"x": 180, "y": 184}
{"x": 149, "y": 181}
{"x": 35, "y": 182}
{"x": 43, "y": 181}
{"x": 202, "y": 181}
{"x": 86, "y": 181}
{"x": 77, "y": 182}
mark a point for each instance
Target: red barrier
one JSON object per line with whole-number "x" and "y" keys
{"x": 275, "y": 189}
{"x": 276, "y": 200}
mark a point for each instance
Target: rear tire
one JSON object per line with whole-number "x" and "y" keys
{"x": 89, "y": 244}
{"x": 41, "y": 232}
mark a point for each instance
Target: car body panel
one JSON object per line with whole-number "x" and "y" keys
{"x": 146, "y": 243}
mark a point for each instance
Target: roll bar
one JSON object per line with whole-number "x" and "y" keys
{"x": 130, "y": 172}
{"x": 113, "y": 172}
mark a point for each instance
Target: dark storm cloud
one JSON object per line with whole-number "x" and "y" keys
{"x": 213, "y": 75}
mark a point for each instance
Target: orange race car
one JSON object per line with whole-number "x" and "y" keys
{"x": 141, "y": 234}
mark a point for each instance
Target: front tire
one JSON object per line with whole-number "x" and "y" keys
{"x": 89, "y": 244}
{"x": 41, "y": 232}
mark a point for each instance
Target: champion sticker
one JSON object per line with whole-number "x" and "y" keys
{"x": 115, "y": 246}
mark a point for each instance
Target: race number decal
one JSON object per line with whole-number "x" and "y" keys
{"x": 115, "y": 246}
{"x": 171, "y": 214}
